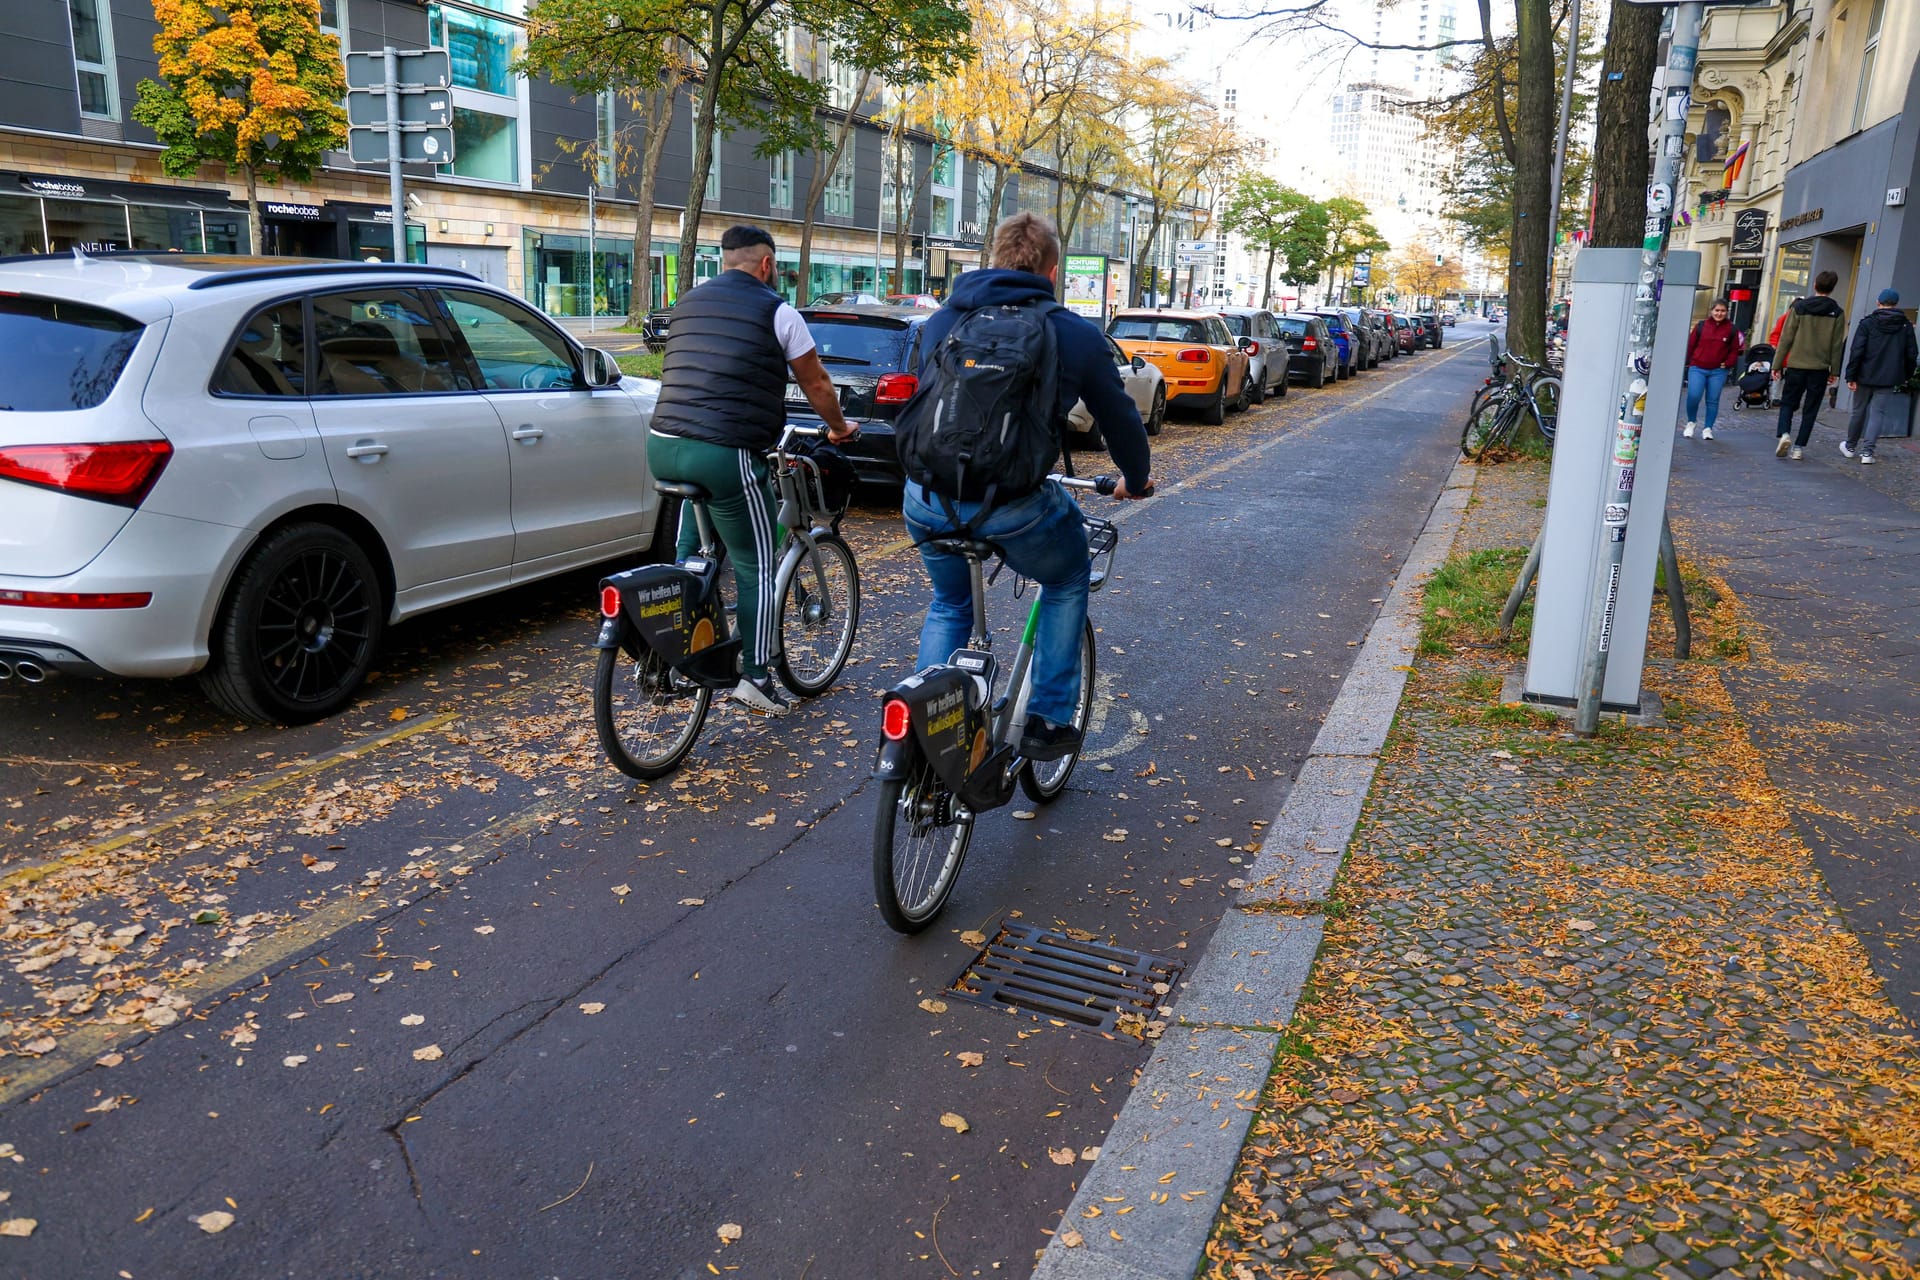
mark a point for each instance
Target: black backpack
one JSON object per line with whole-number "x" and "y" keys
{"x": 982, "y": 424}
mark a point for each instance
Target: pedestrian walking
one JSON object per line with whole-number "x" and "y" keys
{"x": 1812, "y": 347}
{"x": 1880, "y": 362}
{"x": 1713, "y": 348}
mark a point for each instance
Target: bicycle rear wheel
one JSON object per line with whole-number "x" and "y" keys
{"x": 1491, "y": 422}
{"x": 1546, "y": 404}
{"x": 819, "y": 614}
{"x": 920, "y": 838}
{"x": 647, "y": 717}
{"x": 1044, "y": 780}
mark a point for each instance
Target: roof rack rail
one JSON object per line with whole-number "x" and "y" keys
{"x": 246, "y": 275}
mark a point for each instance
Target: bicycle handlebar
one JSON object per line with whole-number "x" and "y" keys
{"x": 1105, "y": 486}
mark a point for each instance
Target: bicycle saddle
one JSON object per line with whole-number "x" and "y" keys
{"x": 682, "y": 489}
{"x": 971, "y": 548}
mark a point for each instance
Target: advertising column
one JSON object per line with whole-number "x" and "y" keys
{"x": 1086, "y": 285}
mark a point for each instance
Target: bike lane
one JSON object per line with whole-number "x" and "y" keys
{"x": 620, "y": 1046}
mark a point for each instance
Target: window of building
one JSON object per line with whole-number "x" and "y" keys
{"x": 487, "y": 94}
{"x": 843, "y": 80}
{"x": 269, "y": 356}
{"x": 605, "y": 172}
{"x": 896, "y": 183}
{"x": 838, "y": 200}
{"x": 93, "y": 58}
{"x": 330, "y": 16}
{"x": 1874, "y": 18}
{"x": 780, "y": 180}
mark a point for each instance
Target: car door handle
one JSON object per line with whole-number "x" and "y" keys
{"x": 367, "y": 449}
{"x": 528, "y": 434}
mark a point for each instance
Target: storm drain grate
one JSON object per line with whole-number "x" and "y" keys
{"x": 1051, "y": 975}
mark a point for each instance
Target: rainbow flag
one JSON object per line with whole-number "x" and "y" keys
{"x": 1736, "y": 162}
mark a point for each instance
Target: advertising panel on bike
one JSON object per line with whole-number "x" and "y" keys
{"x": 946, "y": 723}
{"x": 675, "y": 609}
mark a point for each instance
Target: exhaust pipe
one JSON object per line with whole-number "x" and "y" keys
{"x": 6, "y": 669}
{"x": 31, "y": 672}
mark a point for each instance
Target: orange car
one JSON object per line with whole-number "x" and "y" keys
{"x": 1204, "y": 367}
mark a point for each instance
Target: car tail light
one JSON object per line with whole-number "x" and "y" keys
{"x": 609, "y": 602}
{"x": 77, "y": 599}
{"x": 1309, "y": 344}
{"x": 1253, "y": 348}
{"x": 1195, "y": 355}
{"x": 121, "y": 473}
{"x": 895, "y": 719}
{"x": 895, "y": 388}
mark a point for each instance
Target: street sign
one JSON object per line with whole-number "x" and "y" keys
{"x": 418, "y": 69}
{"x": 368, "y": 108}
{"x": 1202, "y": 248}
{"x": 417, "y": 146}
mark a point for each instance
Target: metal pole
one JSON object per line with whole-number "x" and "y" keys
{"x": 1682, "y": 56}
{"x": 593, "y": 242}
{"x": 1560, "y": 144}
{"x": 395, "y": 183}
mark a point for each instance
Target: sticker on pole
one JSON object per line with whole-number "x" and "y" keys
{"x": 1618, "y": 533}
{"x": 1626, "y": 480}
{"x": 1626, "y": 442}
{"x": 1616, "y": 513}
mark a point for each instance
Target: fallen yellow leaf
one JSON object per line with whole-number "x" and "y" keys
{"x": 592, "y": 1006}
{"x": 974, "y": 938}
{"x": 213, "y": 1223}
{"x": 429, "y": 1054}
{"x": 970, "y": 1058}
{"x": 954, "y": 1121}
{"x": 397, "y": 714}
{"x": 1072, "y": 1239}
{"x": 728, "y": 1231}
{"x": 1061, "y": 1155}
{"x": 22, "y": 1227}
{"x": 934, "y": 1006}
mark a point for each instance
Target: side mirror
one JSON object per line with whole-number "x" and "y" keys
{"x": 1139, "y": 364}
{"x": 602, "y": 370}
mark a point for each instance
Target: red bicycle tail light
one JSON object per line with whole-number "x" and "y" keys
{"x": 895, "y": 720}
{"x": 1195, "y": 355}
{"x": 609, "y": 602}
{"x": 122, "y": 473}
{"x": 895, "y": 388}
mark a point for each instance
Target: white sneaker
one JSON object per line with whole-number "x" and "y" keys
{"x": 1866, "y": 459}
{"x": 1706, "y": 433}
{"x": 1688, "y": 433}
{"x": 1846, "y": 450}
{"x": 1781, "y": 446}
{"x": 1797, "y": 454}
{"x": 760, "y": 697}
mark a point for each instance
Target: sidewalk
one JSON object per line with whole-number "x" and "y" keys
{"x": 1588, "y": 1008}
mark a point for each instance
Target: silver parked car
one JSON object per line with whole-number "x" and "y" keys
{"x": 1144, "y": 383}
{"x": 1259, "y": 335}
{"x": 249, "y": 467}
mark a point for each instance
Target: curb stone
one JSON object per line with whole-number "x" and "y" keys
{"x": 1189, "y": 1114}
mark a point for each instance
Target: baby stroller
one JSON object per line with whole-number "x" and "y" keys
{"x": 1756, "y": 384}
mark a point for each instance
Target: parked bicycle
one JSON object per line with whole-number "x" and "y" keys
{"x": 1530, "y": 390}
{"x": 667, "y": 639}
{"x": 950, "y": 740}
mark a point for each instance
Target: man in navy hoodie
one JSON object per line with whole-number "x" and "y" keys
{"x": 1041, "y": 532}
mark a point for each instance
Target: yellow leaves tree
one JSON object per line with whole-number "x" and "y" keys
{"x": 1180, "y": 149}
{"x": 1420, "y": 270}
{"x": 254, "y": 85}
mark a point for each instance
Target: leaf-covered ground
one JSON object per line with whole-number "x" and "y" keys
{"x": 1585, "y": 1008}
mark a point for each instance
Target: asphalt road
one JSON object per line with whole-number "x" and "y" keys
{"x": 468, "y": 1003}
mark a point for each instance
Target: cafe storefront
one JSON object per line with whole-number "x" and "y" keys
{"x": 50, "y": 214}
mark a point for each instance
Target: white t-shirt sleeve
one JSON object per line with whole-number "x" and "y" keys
{"x": 792, "y": 332}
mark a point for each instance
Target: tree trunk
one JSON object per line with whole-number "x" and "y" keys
{"x": 1621, "y": 156}
{"x": 660, "y": 114}
{"x": 1266, "y": 281}
{"x": 1532, "y": 180}
{"x": 255, "y": 229}
{"x": 703, "y": 118}
{"x": 1001, "y": 173}
{"x": 817, "y": 188}
{"x": 1143, "y": 251}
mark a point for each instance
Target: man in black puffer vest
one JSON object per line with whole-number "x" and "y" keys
{"x": 722, "y": 405}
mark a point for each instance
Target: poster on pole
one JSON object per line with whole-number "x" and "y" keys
{"x": 1086, "y": 285}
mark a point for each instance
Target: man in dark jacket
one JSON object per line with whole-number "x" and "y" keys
{"x": 1881, "y": 360}
{"x": 1041, "y": 532}
{"x": 1813, "y": 342}
{"x": 722, "y": 405}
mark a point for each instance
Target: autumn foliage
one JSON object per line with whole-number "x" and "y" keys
{"x": 254, "y": 85}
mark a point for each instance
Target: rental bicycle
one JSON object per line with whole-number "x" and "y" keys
{"x": 1531, "y": 390}
{"x": 950, "y": 740}
{"x": 667, "y": 640}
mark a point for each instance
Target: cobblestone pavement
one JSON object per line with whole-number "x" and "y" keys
{"x": 1584, "y": 1009}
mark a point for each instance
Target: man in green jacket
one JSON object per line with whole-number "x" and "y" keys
{"x": 1813, "y": 345}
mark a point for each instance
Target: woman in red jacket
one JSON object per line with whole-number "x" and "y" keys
{"x": 1713, "y": 348}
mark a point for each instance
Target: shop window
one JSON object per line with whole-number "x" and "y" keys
{"x": 165, "y": 229}
{"x": 93, "y": 58}
{"x": 562, "y": 274}
{"x": 837, "y": 201}
{"x": 485, "y": 145}
{"x": 515, "y": 350}
{"x": 780, "y": 181}
{"x": 379, "y": 342}
{"x": 373, "y": 240}
{"x": 226, "y": 234}
{"x": 269, "y": 356}
{"x": 20, "y": 229}
{"x": 92, "y": 226}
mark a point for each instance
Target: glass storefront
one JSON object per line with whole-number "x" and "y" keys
{"x": 373, "y": 238}
{"x": 561, "y": 268}
{"x": 1792, "y": 278}
{"x": 57, "y": 215}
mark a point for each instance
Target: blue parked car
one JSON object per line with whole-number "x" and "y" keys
{"x": 1344, "y": 339}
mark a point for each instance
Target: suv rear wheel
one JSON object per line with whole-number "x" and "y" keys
{"x": 299, "y": 630}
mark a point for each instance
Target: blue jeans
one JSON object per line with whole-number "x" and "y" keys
{"x": 1045, "y": 539}
{"x": 1709, "y": 383}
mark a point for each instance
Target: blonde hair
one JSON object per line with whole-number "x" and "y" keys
{"x": 1026, "y": 242}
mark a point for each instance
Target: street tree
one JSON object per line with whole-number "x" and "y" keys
{"x": 1092, "y": 140}
{"x": 589, "y": 47}
{"x": 253, "y": 85}
{"x": 1420, "y": 270}
{"x": 1288, "y": 226}
{"x": 1350, "y": 234}
{"x": 1178, "y": 145}
{"x": 1621, "y": 159}
{"x": 1533, "y": 132}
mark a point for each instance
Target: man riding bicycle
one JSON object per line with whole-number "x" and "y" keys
{"x": 1036, "y": 525}
{"x": 730, "y": 344}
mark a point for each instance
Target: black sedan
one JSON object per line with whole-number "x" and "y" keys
{"x": 867, "y": 351}
{"x": 1313, "y": 356}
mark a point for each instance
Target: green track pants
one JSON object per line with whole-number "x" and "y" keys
{"x": 743, "y": 515}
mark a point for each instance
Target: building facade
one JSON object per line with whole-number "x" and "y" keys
{"x": 1852, "y": 156}
{"x": 1733, "y": 180}
{"x": 77, "y": 171}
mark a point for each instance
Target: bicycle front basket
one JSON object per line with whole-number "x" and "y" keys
{"x": 1102, "y": 537}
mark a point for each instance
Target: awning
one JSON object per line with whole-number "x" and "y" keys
{"x": 66, "y": 187}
